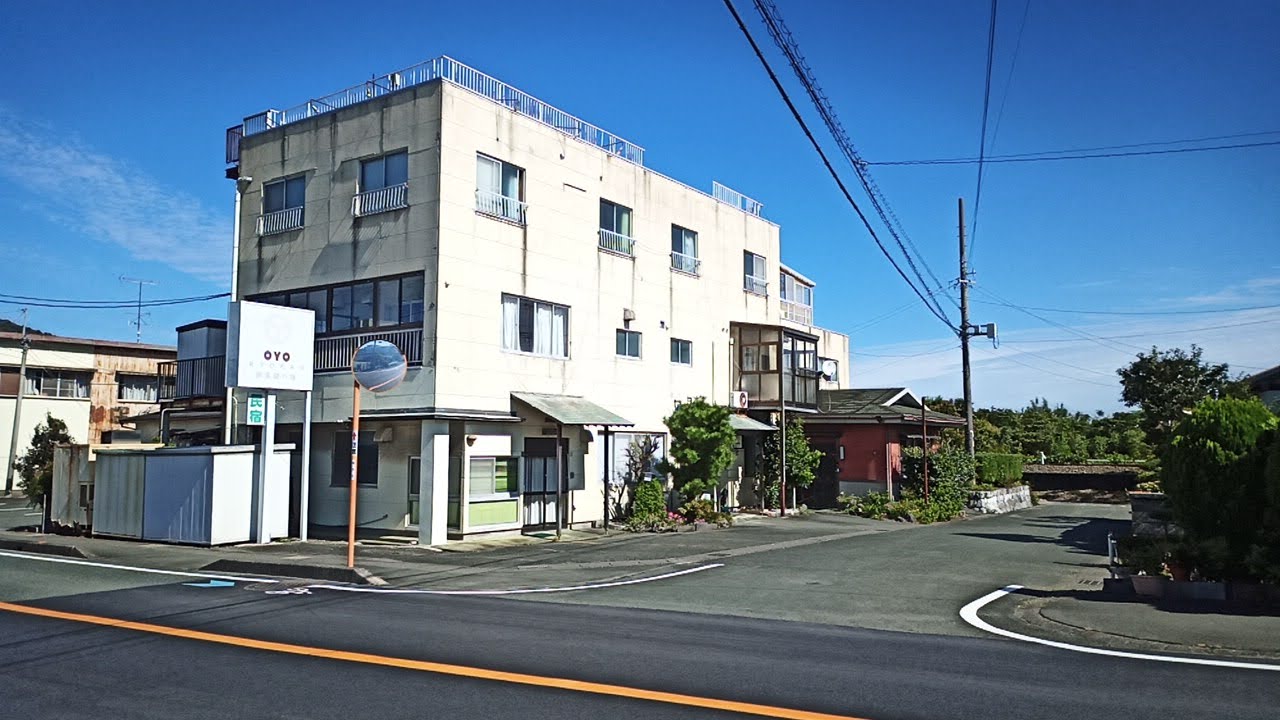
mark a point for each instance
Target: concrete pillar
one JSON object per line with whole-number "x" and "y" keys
{"x": 457, "y": 465}
{"x": 433, "y": 510}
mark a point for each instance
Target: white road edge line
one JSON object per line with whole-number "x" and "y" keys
{"x": 130, "y": 568}
{"x": 969, "y": 613}
{"x": 520, "y": 591}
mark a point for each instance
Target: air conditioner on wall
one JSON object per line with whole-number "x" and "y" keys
{"x": 738, "y": 399}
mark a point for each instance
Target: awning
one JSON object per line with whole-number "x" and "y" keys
{"x": 570, "y": 410}
{"x": 743, "y": 423}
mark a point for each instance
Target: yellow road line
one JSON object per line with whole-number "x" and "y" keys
{"x": 582, "y": 686}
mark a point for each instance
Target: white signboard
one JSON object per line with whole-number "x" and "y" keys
{"x": 256, "y": 409}
{"x": 270, "y": 347}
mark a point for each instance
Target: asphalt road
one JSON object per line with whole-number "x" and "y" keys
{"x": 72, "y": 667}
{"x": 15, "y": 512}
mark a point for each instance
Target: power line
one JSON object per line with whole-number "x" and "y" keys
{"x": 1048, "y": 156}
{"x": 795, "y": 113}
{"x": 1046, "y": 371}
{"x": 790, "y": 47}
{"x": 1205, "y": 328}
{"x": 1110, "y": 345}
{"x": 982, "y": 142}
{"x": 1141, "y": 312}
{"x": 6, "y": 299}
{"x": 948, "y": 348}
{"x": 1008, "y": 81}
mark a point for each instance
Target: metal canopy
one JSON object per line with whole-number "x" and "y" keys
{"x": 742, "y": 423}
{"x": 570, "y": 410}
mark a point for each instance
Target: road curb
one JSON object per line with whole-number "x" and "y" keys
{"x": 355, "y": 576}
{"x": 43, "y": 548}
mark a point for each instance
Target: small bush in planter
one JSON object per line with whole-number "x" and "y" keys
{"x": 696, "y": 510}
{"x": 1144, "y": 556}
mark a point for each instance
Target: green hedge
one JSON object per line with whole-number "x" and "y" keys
{"x": 999, "y": 469}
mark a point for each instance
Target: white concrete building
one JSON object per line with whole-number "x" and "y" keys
{"x": 539, "y": 279}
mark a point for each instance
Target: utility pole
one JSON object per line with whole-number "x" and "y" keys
{"x": 965, "y": 332}
{"x": 17, "y": 407}
{"x": 138, "y": 321}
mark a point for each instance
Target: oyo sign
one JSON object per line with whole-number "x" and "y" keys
{"x": 270, "y": 347}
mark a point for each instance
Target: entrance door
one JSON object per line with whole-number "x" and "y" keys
{"x": 415, "y": 490}
{"x": 538, "y": 492}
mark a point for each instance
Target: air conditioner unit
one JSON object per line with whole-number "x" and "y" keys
{"x": 738, "y": 399}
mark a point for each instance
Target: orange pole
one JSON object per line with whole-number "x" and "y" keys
{"x": 355, "y": 465}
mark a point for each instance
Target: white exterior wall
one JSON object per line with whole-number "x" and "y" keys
{"x": 73, "y": 411}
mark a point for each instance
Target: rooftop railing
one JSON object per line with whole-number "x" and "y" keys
{"x": 441, "y": 68}
{"x": 735, "y": 198}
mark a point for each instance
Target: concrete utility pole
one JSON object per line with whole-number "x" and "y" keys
{"x": 965, "y": 331}
{"x": 17, "y": 407}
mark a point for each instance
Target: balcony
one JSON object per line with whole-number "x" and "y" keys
{"x": 797, "y": 312}
{"x": 500, "y": 206}
{"x": 685, "y": 263}
{"x": 280, "y": 221}
{"x": 195, "y": 378}
{"x": 617, "y": 243}
{"x": 755, "y": 285}
{"x": 382, "y": 200}
{"x": 333, "y": 354}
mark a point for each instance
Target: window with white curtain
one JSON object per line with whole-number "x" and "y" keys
{"x": 533, "y": 326}
{"x": 498, "y": 189}
{"x": 137, "y": 388}
{"x": 57, "y": 383}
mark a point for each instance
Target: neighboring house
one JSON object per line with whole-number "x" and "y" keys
{"x": 540, "y": 280}
{"x": 861, "y": 433}
{"x": 93, "y": 386}
{"x": 1266, "y": 385}
{"x": 193, "y": 390}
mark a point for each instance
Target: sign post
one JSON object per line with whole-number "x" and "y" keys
{"x": 377, "y": 366}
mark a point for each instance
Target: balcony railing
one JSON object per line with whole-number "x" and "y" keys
{"x": 195, "y": 378}
{"x": 797, "y": 313}
{"x": 500, "y": 206}
{"x": 335, "y": 353}
{"x": 280, "y": 221}
{"x": 441, "y": 68}
{"x": 735, "y": 198}
{"x": 617, "y": 243}
{"x": 756, "y": 285}
{"x": 372, "y": 202}
{"x": 685, "y": 263}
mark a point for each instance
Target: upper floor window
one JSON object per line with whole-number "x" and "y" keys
{"x": 387, "y": 302}
{"x": 533, "y": 326}
{"x": 499, "y": 189}
{"x": 793, "y": 290}
{"x": 58, "y": 383}
{"x": 628, "y": 343}
{"x": 137, "y": 388}
{"x": 615, "y": 228}
{"x": 384, "y": 184}
{"x": 681, "y": 352}
{"x": 282, "y": 205}
{"x": 755, "y": 272}
{"x": 684, "y": 250}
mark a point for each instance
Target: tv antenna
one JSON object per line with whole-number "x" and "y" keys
{"x": 137, "y": 322}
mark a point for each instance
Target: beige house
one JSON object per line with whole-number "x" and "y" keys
{"x": 91, "y": 385}
{"x": 540, "y": 279}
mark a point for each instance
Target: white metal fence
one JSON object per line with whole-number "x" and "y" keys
{"x": 617, "y": 243}
{"x": 498, "y": 205}
{"x": 685, "y": 263}
{"x": 335, "y": 353}
{"x": 756, "y": 285}
{"x": 280, "y": 221}
{"x": 372, "y": 202}
{"x": 795, "y": 312}
{"x": 735, "y": 198}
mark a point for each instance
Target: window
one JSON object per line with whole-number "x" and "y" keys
{"x": 58, "y": 383}
{"x": 491, "y": 476}
{"x": 754, "y": 274}
{"x": 137, "y": 388}
{"x": 536, "y": 327}
{"x": 367, "y": 473}
{"x": 615, "y": 228}
{"x": 384, "y": 172}
{"x": 793, "y": 290}
{"x": 318, "y": 301}
{"x": 628, "y": 343}
{"x": 388, "y": 302}
{"x": 499, "y": 189}
{"x": 9, "y": 381}
{"x": 352, "y": 307}
{"x": 681, "y": 352}
{"x": 684, "y": 250}
{"x": 282, "y": 203}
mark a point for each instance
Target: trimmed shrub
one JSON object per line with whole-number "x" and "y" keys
{"x": 999, "y": 469}
{"x": 650, "y": 502}
{"x": 696, "y": 510}
{"x": 872, "y": 505}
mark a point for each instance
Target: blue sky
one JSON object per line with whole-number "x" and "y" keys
{"x": 112, "y": 125}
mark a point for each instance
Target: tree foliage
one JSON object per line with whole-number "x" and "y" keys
{"x": 701, "y": 447}
{"x": 802, "y": 463}
{"x": 1213, "y": 474}
{"x": 1166, "y": 383}
{"x": 35, "y": 468}
{"x": 638, "y": 467}
{"x": 951, "y": 476}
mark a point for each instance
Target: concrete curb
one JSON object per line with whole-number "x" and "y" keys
{"x": 44, "y": 548}
{"x": 355, "y": 576}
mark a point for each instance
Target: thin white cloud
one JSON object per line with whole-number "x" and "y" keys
{"x": 107, "y": 200}
{"x": 1250, "y": 291}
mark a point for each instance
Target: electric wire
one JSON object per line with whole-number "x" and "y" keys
{"x": 27, "y": 300}
{"x": 982, "y": 137}
{"x": 795, "y": 113}
{"x": 1014, "y": 359}
{"x": 1048, "y": 157}
{"x": 1141, "y": 312}
{"x": 1008, "y": 81}
{"x": 1109, "y": 344}
{"x": 1206, "y": 328}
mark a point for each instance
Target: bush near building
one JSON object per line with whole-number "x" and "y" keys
{"x": 999, "y": 469}
{"x": 701, "y": 447}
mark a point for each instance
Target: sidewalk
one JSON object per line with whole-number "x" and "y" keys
{"x": 1097, "y": 618}
{"x": 582, "y": 556}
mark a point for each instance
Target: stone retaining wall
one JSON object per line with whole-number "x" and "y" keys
{"x": 992, "y": 502}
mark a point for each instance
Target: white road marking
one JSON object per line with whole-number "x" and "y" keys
{"x": 130, "y": 568}
{"x": 519, "y": 591}
{"x": 17, "y": 509}
{"x": 969, "y": 613}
